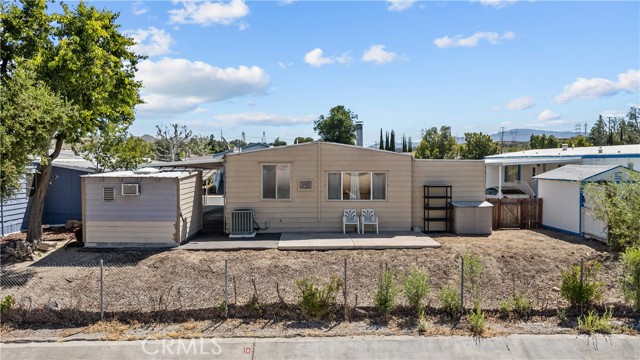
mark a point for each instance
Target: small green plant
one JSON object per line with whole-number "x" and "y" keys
{"x": 423, "y": 325}
{"x": 223, "y": 307}
{"x": 592, "y": 322}
{"x": 630, "y": 280}
{"x": 505, "y": 308}
{"x": 254, "y": 303}
{"x": 521, "y": 305}
{"x": 6, "y": 304}
{"x": 581, "y": 294}
{"x": 386, "y": 292}
{"x": 450, "y": 300}
{"x": 472, "y": 274}
{"x": 561, "y": 313}
{"x": 316, "y": 302}
{"x": 476, "y": 320}
{"x": 416, "y": 288}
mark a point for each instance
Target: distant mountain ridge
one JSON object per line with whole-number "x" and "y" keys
{"x": 523, "y": 135}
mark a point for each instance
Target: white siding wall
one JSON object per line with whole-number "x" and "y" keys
{"x": 310, "y": 210}
{"x": 561, "y": 204}
{"x": 190, "y": 206}
{"x": 467, "y": 177}
{"x": 147, "y": 219}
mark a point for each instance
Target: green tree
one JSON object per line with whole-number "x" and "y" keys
{"x": 387, "y": 146}
{"x": 579, "y": 141}
{"x": 172, "y": 143}
{"x": 302, "y": 140}
{"x": 410, "y": 145}
{"x": 477, "y": 146}
{"x": 381, "y": 146}
{"x": 200, "y": 145}
{"x": 543, "y": 142}
{"x": 82, "y": 58}
{"x": 404, "y": 144}
{"x": 598, "y": 135}
{"x": 113, "y": 149}
{"x": 437, "y": 144}
{"x": 338, "y": 126}
{"x": 392, "y": 141}
{"x": 29, "y": 109}
{"x": 216, "y": 146}
{"x": 278, "y": 142}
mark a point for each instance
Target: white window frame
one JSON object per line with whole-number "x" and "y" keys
{"x": 262, "y": 165}
{"x": 371, "y": 172}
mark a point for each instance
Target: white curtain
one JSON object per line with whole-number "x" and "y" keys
{"x": 354, "y": 191}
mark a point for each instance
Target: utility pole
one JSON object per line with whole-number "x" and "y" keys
{"x": 501, "y": 139}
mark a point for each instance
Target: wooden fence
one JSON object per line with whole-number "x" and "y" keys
{"x": 516, "y": 213}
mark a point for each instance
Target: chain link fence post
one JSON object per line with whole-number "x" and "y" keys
{"x": 101, "y": 290}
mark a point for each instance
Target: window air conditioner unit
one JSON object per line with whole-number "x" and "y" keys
{"x": 130, "y": 189}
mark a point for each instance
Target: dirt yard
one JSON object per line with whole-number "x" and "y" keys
{"x": 176, "y": 285}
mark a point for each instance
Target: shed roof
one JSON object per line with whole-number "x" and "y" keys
{"x": 576, "y": 172}
{"x": 132, "y": 174}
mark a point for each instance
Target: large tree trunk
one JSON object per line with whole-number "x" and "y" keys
{"x": 34, "y": 232}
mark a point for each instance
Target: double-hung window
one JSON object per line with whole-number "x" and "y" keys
{"x": 276, "y": 181}
{"x": 356, "y": 185}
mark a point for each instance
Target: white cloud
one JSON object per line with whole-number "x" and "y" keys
{"x": 316, "y": 58}
{"x": 206, "y": 13}
{"x": 138, "y": 8}
{"x": 265, "y": 119}
{"x": 614, "y": 113}
{"x": 378, "y": 54}
{"x": 181, "y": 85}
{"x": 399, "y": 5}
{"x": 548, "y": 115}
{"x": 151, "y": 42}
{"x": 242, "y": 26}
{"x": 521, "y": 103}
{"x": 595, "y": 88}
{"x": 286, "y": 2}
{"x": 496, "y": 3}
{"x": 493, "y": 38}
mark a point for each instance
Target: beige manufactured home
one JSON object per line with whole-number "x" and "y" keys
{"x": 147, "y": 208}
{"x": 306, "y": 187}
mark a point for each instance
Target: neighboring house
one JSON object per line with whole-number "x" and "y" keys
{"x": 145, "y": 208}
{"x": 306, "y": 187}
{"x": 63, "y": 200}
{"x": 564, "y": 205}
{"x": 520, "y": 168}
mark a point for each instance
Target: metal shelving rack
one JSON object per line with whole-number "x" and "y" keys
{"x": 437, "y": 207}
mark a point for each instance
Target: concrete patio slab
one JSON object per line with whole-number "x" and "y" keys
{"x": 315, "y": 241}
{"x": 248, "y": 244}
{"x": 407, "y": 240}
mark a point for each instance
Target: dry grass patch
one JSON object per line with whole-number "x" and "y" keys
{"x": 190, "y": 325}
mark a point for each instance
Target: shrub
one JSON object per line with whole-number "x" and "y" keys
{"x": 505, "y": 308}
{"x": 630, "y": 280}
{"x": 581, "y": 294}
{"x": 385, "y": 294}
{"x": 592, "y": 322}
{"x": 472, "y": 273}
{"x": 423, "y": 325}
{"x": 6, "y": 304}
{"x": 476, "y": 320}
{"x": 450, "y": 300}
{"x": 521, "y": 305}
{"x": 317, "y": 302}
{"x": 416, "y": 288}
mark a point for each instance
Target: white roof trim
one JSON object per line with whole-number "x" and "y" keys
{"x": 533, "y": 160}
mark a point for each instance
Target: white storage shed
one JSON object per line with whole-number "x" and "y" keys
{"x": 561, "y": 190}
{"x": 145, "y": 208}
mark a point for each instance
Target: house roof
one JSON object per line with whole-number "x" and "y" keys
{"x": 324, "y": 143}
{"x": 243, "y": 149}
{"x": 576, "y": 172}
{"x": 580, "y": 152}
{"x": 69, "y": 160}
{"x": 200, "y": 162}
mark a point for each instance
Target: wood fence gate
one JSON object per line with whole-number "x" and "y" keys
{"x": 516, "y": 213}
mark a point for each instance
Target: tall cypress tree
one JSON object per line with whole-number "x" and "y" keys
{"x": 381, "y": 140}
{"x": 392, "y": 141}
{"x": 404, "y": 144}
{"x": 386, "y": 141}
{"x": 410, "y": 145}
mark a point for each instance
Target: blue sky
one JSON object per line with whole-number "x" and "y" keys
{"x": 275, "y": 66}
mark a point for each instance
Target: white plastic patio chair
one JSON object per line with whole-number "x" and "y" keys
{"x": 350, "y": 217}
{"x": 368, "y": 217}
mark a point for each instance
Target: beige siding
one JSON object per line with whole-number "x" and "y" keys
{"x": 310, "y": 210}
{"x": 148, "y": 218}
{"x": 467, "y": 178}
{"x": 190, "y": 206}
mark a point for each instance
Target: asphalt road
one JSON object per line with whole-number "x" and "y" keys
{"x": 369, "y": 347}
